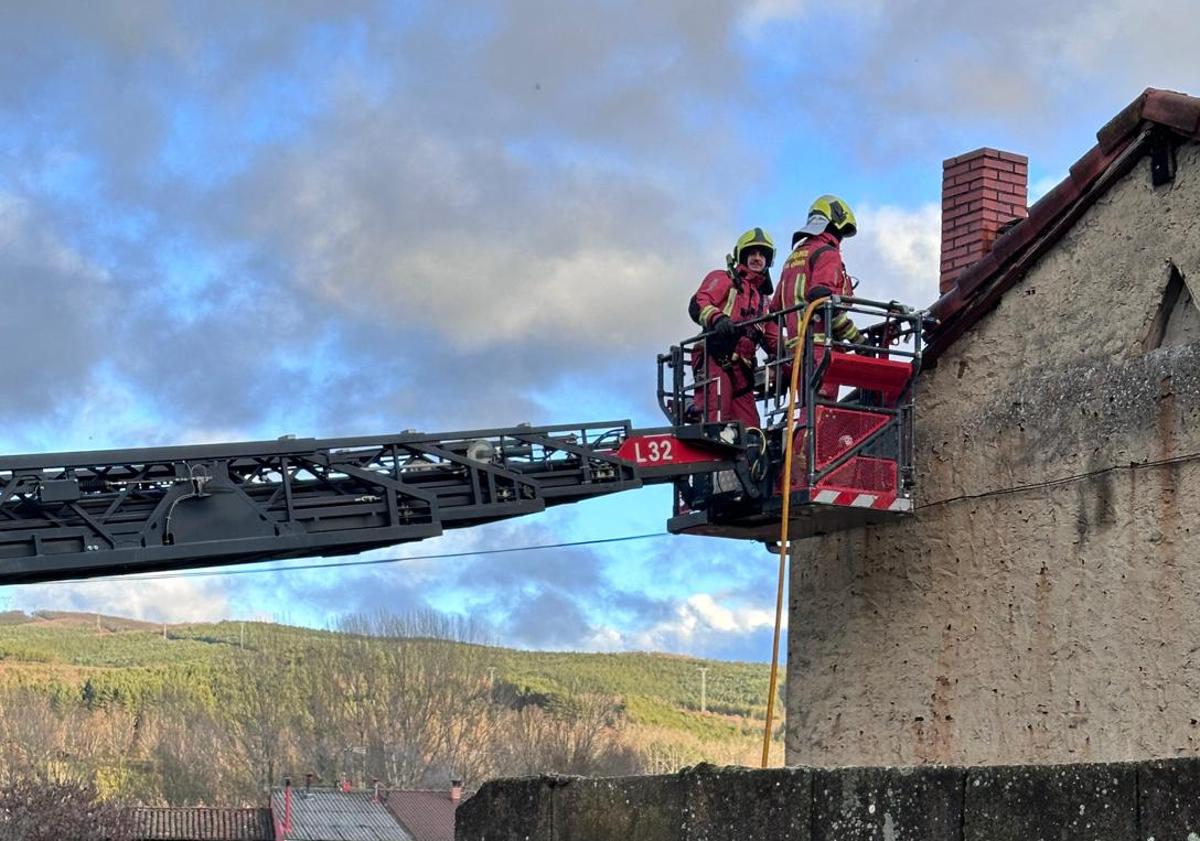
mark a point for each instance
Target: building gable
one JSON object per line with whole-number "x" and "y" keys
{"x": 1150, "y": 129}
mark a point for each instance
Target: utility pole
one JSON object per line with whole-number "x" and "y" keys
{"x": 703, "y": 687}
{"x": 242, "y": 636}
{"x": 164, "y": 630}
{"x": 491, "y": 677}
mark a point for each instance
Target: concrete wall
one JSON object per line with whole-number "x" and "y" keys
{"x": 1054, "y": 624}
{"x": 1129, "y": 802}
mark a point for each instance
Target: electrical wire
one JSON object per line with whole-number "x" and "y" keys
{"x": 206, "y": 573}
{"x": 789, "y": 448}
{"x": 1065, "y": 480}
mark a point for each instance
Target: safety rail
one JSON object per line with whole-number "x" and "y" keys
{"x": 854, "y": 411}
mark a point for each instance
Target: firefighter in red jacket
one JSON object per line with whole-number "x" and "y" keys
{"x": 814, "y": 270}
{"x": 726, "y": 359}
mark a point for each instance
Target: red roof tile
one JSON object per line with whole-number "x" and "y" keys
{"x": 428, "y": 815}
{"x": 202, "y": 824}
{"x": 1120, "y": 144}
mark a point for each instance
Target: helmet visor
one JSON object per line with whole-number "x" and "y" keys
{"x": 816, "y": 224}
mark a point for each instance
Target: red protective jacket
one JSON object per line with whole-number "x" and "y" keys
{"x": 740, "y": 294}
{"x": 727, "y": 365}
{"x": 815, "y": 261}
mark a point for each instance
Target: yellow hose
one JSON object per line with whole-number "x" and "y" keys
{"x": 797, "y": 364}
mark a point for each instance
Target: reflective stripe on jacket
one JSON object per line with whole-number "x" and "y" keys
{"x": 739, "y": 294}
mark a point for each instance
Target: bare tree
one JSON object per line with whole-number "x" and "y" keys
{"x": 40, "y": 809}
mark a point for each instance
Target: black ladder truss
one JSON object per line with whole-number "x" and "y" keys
{"x": 75, "y": 515}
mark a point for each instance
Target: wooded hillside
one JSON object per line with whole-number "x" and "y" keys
{"x": 213, "y": 713}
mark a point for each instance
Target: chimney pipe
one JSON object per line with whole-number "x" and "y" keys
{"x": 375, "y": 783}
{"x": 982, "y": 192}
{"x": 455, "y": 790}
{"x": 308, "y": 778}
{"x": 287, "y": 804}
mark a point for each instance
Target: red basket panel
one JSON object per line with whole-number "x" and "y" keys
{"x": 838, "y": 430}
{"x": 865, "y": 474}
{"x": 889, "y": 376}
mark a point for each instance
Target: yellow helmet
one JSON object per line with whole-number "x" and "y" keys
{"x": 825, "y": 211}
{"x": 755, "y": 237}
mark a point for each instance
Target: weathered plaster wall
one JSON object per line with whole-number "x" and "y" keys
{"x": 1059, "y": 623}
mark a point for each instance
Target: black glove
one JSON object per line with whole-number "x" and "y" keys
{"x": 725, "y": 328}
{"x": 819, "y": 292}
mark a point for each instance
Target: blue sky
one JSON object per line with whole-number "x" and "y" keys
{"x": 230, "y": 221}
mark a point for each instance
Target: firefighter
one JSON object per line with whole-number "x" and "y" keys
{"x": 814, "y": 270}
{"x": 726, "y": 358}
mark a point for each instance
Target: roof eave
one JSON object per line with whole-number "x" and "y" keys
{"x": 1120, "y": 142}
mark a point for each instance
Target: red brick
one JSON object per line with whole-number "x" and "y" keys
{"x": 958, "y": 234}
{"x": 1013, "y": 178}
{"x": 958, "y": 172}
{"x": 1003, "y": 208}
{"x": 956, "y": 253}
{"x": 960, "y": 210}
{"x": 1014, "y": 157}
{"x": 984, "y": 152}
{"x": 991, "y": 184}
{"x": 965, "y": 156}
{"x": 949, "y": 191}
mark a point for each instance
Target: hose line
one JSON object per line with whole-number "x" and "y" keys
{"x": 797, "y": 364}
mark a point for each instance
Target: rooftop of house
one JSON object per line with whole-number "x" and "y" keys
{"x": 202, "y": 824}
{"x": 324, "y": 814}
{"x": 1147, "y": 125}
{"x": 428, "y": 815}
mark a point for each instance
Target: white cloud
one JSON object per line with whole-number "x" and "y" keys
{"x": 896, "y": 253}
{"x": 702, "y": 623}
{"x": 162, "y": 600}
{"x": 763, "y": 12}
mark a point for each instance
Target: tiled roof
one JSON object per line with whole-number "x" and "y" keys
{"x": 1120, "y": 144}
{"x": 331, "y": 815}
{"x": 427, "y": 815}
{"x": 201, "y": 824}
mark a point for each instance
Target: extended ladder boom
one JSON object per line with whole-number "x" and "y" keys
{"x": 75, "y": 515}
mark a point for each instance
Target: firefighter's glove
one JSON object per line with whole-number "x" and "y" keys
{"x": 725, "y": 328}
{"x": 819, "y": 292}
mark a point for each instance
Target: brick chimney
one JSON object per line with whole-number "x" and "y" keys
{"x": 982, "y": 191}
{"x": 455, "y": 790}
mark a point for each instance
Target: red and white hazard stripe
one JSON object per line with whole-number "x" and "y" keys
{"x": 856, "y": 499}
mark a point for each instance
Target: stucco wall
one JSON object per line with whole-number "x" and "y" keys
{"x": 1041, "y": 625}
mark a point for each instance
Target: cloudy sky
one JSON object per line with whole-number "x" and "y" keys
{"x": 229, "y": 221}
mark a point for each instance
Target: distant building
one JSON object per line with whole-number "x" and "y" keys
{"x": 324, "y": 814}
{"x": 202, "y": 824}
{"x": 427, "y": 815}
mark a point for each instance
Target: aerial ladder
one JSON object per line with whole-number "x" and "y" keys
{"x": 109, "y": 512}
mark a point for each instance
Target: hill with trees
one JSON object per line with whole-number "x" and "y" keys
{"x": 214, "y": 713}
